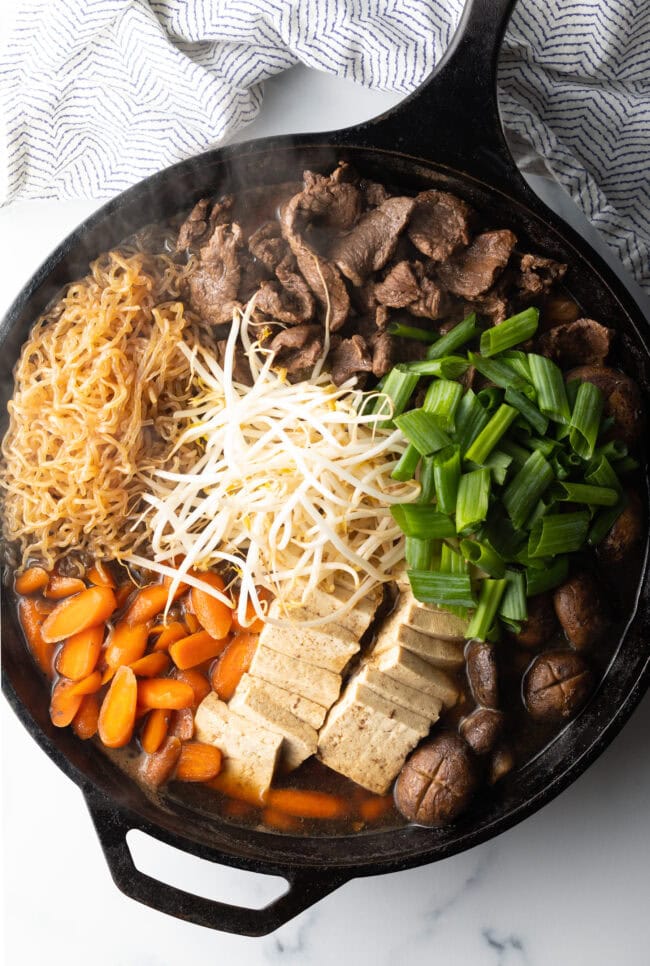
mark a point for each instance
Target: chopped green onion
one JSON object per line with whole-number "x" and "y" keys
{"x": 451, "y": 562}
{"x": 490, "y": 398}
{"x": 455, "y": 339}
{"x": 446, "y": 474}
{"x": 501, "y": 534}
{"x": 499, "y": 464}
{"x": 518, "y": 454}
{"x": 523, "y": 493}
{"x": 406, "y": 465}
{"x": 441, "y": 400}
{"x": 509, "y": 333}
{"x": 572, "y": 392}
{"x": 519, "y": 362}
{"x": 473, "y": 500}
{"x": 558, "y": 533}
{"x": 584, "y": 493}
{"x": 398, "y": 387}
{"x": 490, "y": 597}
{"x": 491, "y": 434}
{"x": 604, "y": 522}
{"x": 528, "y": 410}
{"x": 513, "y": 604}
{"x": 551, "y": 391}
{"x": 427, "y": 481}
{"x": 412, "y": 332}
{"x": 422, "y": 429}
{"x": 600, "y": 472}
{"x": 470, "y": 419}
{"x": 483, "y": 556}
{"x": 497, "y": 371}
{"x": 447, "y": 367}
{"x": 615, "y": 450}
{"x": 542, "y": 508}
{"x": 538, "y": 581}
{"x": 418, "y": 553}
{"x": 433, "y": 587}
{"x": 585, "y": 420}
{"x": 425, "y": 522}
{"x": 545, "y": 446}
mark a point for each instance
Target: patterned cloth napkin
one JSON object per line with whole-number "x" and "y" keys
{"x": 96, "y": 94}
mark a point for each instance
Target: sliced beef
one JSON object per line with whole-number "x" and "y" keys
{"x": 369, "y": 245}
{"x": 267, "y": 245}
{"x": 374, "y": 194}
{"x": 331, "y": 200}
{"x": 299, "y": 348}
{"x": 473, "y": 271}
{"x": 350, "y": 357}
{"x": 580, "y": 343}
{"x": 536, "y": 275}
{"x": 214, "y": 284}
{"x": 289, "y": 300}
{"x": 407, "y": 286}
{"x": 241, "y": 367}
{"x": 494, "y": 305}
{"x": 440, "y": 224}
{"x": 201, "y": 220}
{"x": 382, "y": 345}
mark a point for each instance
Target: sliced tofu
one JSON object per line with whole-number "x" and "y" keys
{"x": 308, "y": 711}
{"x": 445, "y": 654}
{"x": 367, "y": 738}
{"x": 252, "y": 701}
{"x": 409, "y": 669}
{"x": 250, "y": 751}
{"x": 435, "y": 622}
{"x": 315, "y": 683}
{"x": 320, "y": 603}
{"x": 330, "y": 647}
{"x": 426, "y": 705}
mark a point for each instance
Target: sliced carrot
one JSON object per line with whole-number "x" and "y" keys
{"x": 68, "y": 695}
{"x": 108, "y": 674}
{"x": 79, "y": 655}
{"x": 195, "y": 649}
{"x": 147, "y": 604}
{"x": 307, "y": 804}
{"x": 212, "y": 614}
{"x": 101, "y": 576}
{"x": 198, "y": 682}
{"x": 165, "y": 693}
{"x": 74, "y": 614}
{"x": 182, "y": 724}
{"x": 233, "y": 664}
{"x": 31, "y": 621}
{"x": 167, "y": 634}
{"x": 31, "y": 580}
{"x": 117, "y": 714}
{"x": 253, "y": 623}
{"x": 151, "y": 665}
{"x": 126, "y": 644}
{"x": 198, "y": 762}
{"x": 84, "y": 723}
{"x": 155, "y": 729}
{"x": 157, "y": 768}
{"x": 226, "y": 785}
{"x": 372, "y": 809}
{"x": 192, "y": 622}
{"x": 123, "y": 593}
{"x": 59, "y": 587}
{"x": 280, "y": 820}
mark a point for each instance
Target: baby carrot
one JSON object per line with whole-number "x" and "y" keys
{"x": 31, "y": 580}
{"x": 198, "y": 762}
{"x": 164, "y": 693}
{"x": 101, "y": 576}
{"x": 151, "y": 665}
{"x": 117, "y": 714}
{"x": 123, "y": 593}
{"x": 233, "y": 664}
{"x": 74, "y": 614}
{"x": 253, "y": 623}
{"x": 80, "y": 653}
{"x": 31, "y": 621}
{"x": 68, "y": 695}
{"x": 59, "y": 587}
{"x": 157, "y": 768}
{"x": 212, "y": 614}
{"x": 307, "y": 804}
{"x": 168, "y": 634}
{"x": 198, "y": 682}
{"x": 126, "y": 644}
{"x": 84, "y": 723}
{"x": 147, "y": 604}
{"x": 155, "y": 729}
{"x": 182, "y": 724}
{"x": 191, "y": 621}
{"x": 280, "y": 820}
{"x": 195, "y": 649}
{"x": 374, "y": 808}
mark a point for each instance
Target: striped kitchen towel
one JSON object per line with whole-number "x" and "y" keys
{"x": 96, "y": 94}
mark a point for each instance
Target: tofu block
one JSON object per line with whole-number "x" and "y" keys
{"x": 250, "y": 751}
{"x": 445, "y": 654}
{"x": 435, "y": 622}
{"x": 406, "y": 667}
{"x": 426, "y": 705}
{"x": 299, "y": 739}
{"x": 308, "y": 711}
{"x": 367, "y": 739}
{"x": 320, "y": 603}
{"x": 330, "y": 647}
{"x": 315, "y": 683}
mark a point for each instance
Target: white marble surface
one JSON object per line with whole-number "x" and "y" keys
{"x": 569, "y": 887}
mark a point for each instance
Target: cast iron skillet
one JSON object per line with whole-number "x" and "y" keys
{"x": 448, "y": 134}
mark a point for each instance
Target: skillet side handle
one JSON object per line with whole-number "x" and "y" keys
{"x": 305, "y": 888}
{"x": 453, "y": 117}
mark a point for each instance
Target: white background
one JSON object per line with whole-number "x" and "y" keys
{"x": 569, "y": 886}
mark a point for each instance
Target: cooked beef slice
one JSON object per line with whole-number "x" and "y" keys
{"x": 471, "y": 272}
{"x": 374, "y": 194}
{"x": 407, "y": 286}
{"x": 299, "y": 348}
{"x": 383, "y": 352}
{"x": 580, "y": 343}
{"x": 288, "y": 300}
{"x": 330, "y": 200}
{"x": 494, "y": 305}
{"x": 348, "y": 358}
{"x": 241, "y": 368}
{"x": 372, "y": 241}
{"x": 267, "y": 245}
{"x": 536, "y": 276}
{"x": 200, "y": 221}
{"x": 214, "y": 284}
{"x": 440, "y": 224}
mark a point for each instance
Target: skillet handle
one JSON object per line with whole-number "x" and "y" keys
{"x": 305, "y": 887}
{"x": 453, "y": 117}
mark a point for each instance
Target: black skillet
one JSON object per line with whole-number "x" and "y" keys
{"x": 447, "y": 134}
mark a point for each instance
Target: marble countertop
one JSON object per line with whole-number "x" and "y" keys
{"x": 568, "y": 887}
